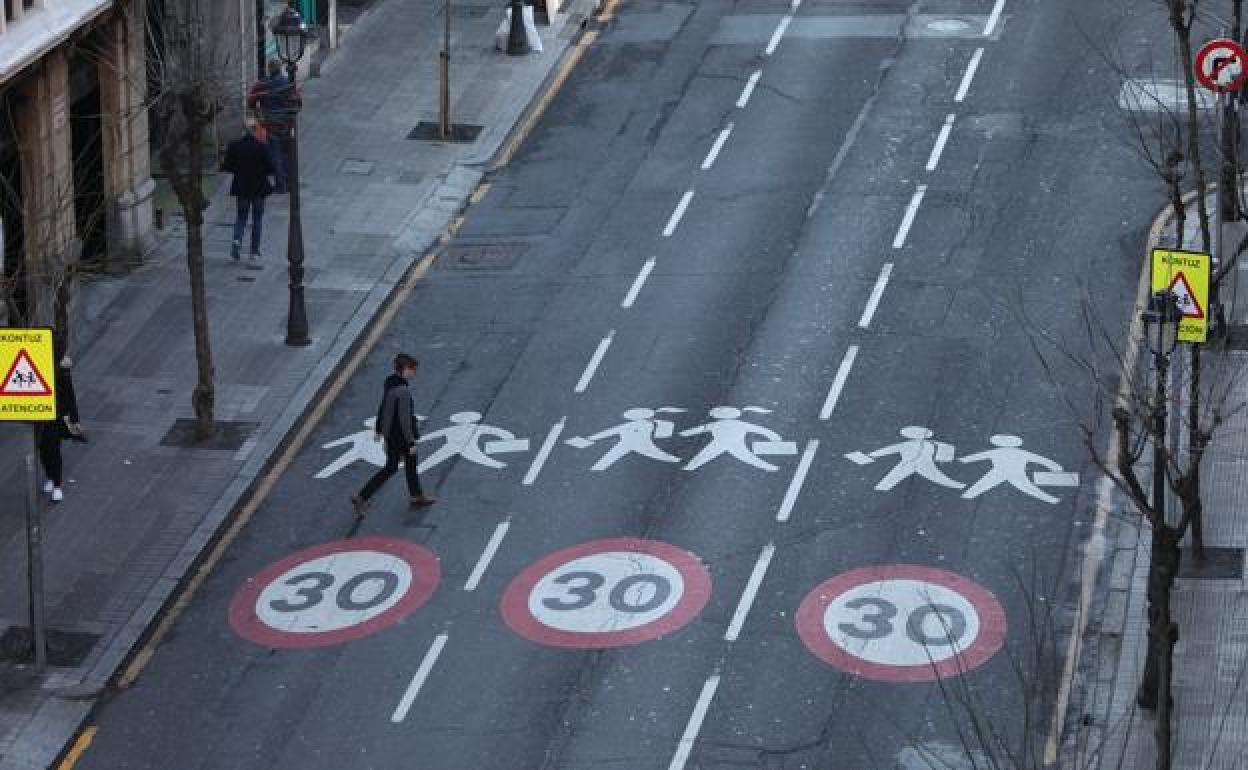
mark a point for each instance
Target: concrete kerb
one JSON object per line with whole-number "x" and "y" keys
{"x": 41, "y": 743}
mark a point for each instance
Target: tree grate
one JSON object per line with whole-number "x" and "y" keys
{"x": 1220, "y": 563}
{"x": 230, "y": 435}
{"x": 66, "y": 649}
{"x": 428, "y": 131}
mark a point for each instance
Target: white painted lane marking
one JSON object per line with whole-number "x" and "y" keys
{"x": 751, "y": 591}
{"x": 640, "y": 281}
{"x": 993, "y": 18}
{"x": 913, "y": 208}
{"x": 544, "y": 452}
{"x": 487, "y": 555}
{"x": 874, "y": 300}
{"x": 715, "y": 148}
{"x": 795, "y": 4}
{"x": 744, "y": 98}
{"x": 418, "y": 681}
{"x": 779, "y": 33}
{"x": 939, "y": 147}
{"x": 690, "y": 736}
{"x": 594, "y": 361}
{"x": 677, "y": 214}
{"x": 838, "y": 382}
{"x": 969, "y": 76}
{"x": 799, "y": 478}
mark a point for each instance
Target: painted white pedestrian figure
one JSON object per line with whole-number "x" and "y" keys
{"x": 636, "y": 436}
{"x": 917, "y": 456}
{"x": 464, "y": 437}
{"x": 731, "y": 435}
{"x": 1009, "y": 466}
{"x": 364, "y": 446}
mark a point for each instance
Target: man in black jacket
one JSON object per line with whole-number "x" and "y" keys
{"x": 396, "y": 424}
{"x": 248, "y": 160}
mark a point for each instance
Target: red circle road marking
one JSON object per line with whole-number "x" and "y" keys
{"x": 663, "y": 563}
{"x": 417, "y": 584}
{"x": 989, "y": 620}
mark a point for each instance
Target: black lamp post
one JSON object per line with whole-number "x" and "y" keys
{"x": 290, "y": 33}
{"x": 517, "y": 39}
{"x": 1161, "y": 330}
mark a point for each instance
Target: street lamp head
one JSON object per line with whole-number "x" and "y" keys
{"x": 1161, "y": 322}
{"x": 290, "y": 33}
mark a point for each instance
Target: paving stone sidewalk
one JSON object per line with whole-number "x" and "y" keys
{"x": 1211, "y": 658}
{"x": 137, "y": 512}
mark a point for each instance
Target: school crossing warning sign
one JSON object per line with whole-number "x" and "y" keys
{"x": 1186, "y": 274}
{"x": 28, "y": 390}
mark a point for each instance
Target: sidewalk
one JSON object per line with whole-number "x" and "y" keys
{"x": 1211, "y": 658}
{"x": 137, "y": 512}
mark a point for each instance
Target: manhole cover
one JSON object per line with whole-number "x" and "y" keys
{"x": 356, "y": 166}
{"x": 948, "y": 25}
{"x": 483, "y": 256}
{"x": 428, "y": 131}
{"x": 65, "y": 648}
{"x": 1219, "y": 564}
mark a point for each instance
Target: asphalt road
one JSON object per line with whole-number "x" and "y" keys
{"x": 682, "y": 233}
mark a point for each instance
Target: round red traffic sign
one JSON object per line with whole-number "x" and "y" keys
{"x": 607, "y": 593}
{"x": 1220, "y": 65}
{"x": 334, "y": 593}
{"x": 902, "y": 623}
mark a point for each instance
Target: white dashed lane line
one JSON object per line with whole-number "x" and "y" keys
{"x": 690, "y": 737}
{"x": 487, "y": 556}
{"x": 715, "y": 148}
{"x": 594, "y": 361}
{"x": 908, "y": 219}
{"x": 744, "y": 98}
{"x": 418, "y": 681}
{"x": 993, "y": 18}
{"x": 969, "y": 75}
{"x": 838, "y": 382}
{"x": 799, "y": 478}
{"x": 934, "y": 159}
{"x": 779, "y": 33}
{"x": 542, "y": 454}
{"x": 638, "y": 282}
{"x": 750, "y": 593}
{"x": 874, "y": 300}
{"x": 677, "y": 214}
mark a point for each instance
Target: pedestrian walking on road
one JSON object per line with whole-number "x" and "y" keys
{"x": 248, "y": 160}
{"x": 276, "y": 101}
{"x": 396, "y": 425}
{"x": 51, "y": 434}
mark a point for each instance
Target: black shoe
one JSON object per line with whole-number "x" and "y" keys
{"x": 424, "y": 501}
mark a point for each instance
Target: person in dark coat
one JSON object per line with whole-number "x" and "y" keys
{"x": 276, "y": 101}
{"x": 66, "y": 426}
{"x": 248, "y": 160}
{"x": 396, "y": 425}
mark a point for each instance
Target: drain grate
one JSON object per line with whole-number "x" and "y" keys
{"x": 230, "y": 435}
{"x": 483, "y": 256}
{"x": 428, "y": 131}
{"x": 356, "y": 166}
{"x": 66, "y": 649}
{"x": 1220, "y": 563}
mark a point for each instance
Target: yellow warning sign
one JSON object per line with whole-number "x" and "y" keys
{"x": 1186, "y": 273}
{"x": 28, "y": 390}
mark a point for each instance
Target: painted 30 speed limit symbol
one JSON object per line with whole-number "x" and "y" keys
{"x": 607, "y": 593}
{"x": 902, "y": 623}
{"x": 334, "y": 593}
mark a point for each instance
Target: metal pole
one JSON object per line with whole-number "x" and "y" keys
{"x": 1146, "y": 697}
{"x": 517, "y": 38}
{"x": 297, "y": 315}
{"x": 34, "y": 557}
{"x": 260, "y": 40}
{"x": 444, "y": 78}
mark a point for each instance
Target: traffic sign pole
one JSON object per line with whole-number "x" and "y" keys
{"x": 34, "y": 557}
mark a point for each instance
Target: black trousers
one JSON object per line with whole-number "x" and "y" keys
{"x": 396, "y": 452}
{"x": 50, "y": 453}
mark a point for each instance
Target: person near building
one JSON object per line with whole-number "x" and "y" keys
{"x": 248, "y": 160}
{"x": 51, "y": 434}
{"x": 396, "y": 425}
{"x": 275, "y": 101}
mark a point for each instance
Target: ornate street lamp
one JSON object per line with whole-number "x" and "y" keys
{"x": 291, "y": 35}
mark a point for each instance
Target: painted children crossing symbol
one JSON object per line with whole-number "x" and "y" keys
{"x": 635, "y": 436}
{"x": 464, "y": 438}
{"x": 1008, "y": 464}
{"x": 730, "y": 435}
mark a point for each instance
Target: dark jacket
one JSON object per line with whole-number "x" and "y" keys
{"x": 66, "y": 407}
{"x": 396, "y": 419}
{"x": 248, "y": 160}
{"x": 276, "y": 102}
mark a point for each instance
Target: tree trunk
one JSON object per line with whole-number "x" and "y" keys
{"x": 1193, "y": 508}
{"x": 203, "y": 396}
{"x": 1155, "y": 686}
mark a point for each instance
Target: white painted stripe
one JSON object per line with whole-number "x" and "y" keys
{"x": 674, "y": 220}
{"x": 594, "y": 360}
{"x": 900, "y": 239}
{"x": 874, "y": 300}
{"x": 779, "y": 33}
{"x": 544, "y": 452}
{"x": 418, "y": 681}
{"x": 744, "y": 98}
{"x": 934, "y": 159}
{"x": 640, "y": 281}
{"x": 751, "y": 591}
{"x": 715, "y": 148}
{"x": 487, "y": 555}
{"x": 795, "y": 4}
{"x": 993, "y": 18}
{"x": 799, "y": 478}
{"x": 838, "y": 382}
{"x": 690, "y": 736}
{"x": 969, "y": 75}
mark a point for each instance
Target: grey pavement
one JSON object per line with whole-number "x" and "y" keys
{"x": 138, "y": 512}
{"x": 1211, "y": 659}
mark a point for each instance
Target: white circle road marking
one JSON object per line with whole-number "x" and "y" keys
{"x": 356, "y": 586}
